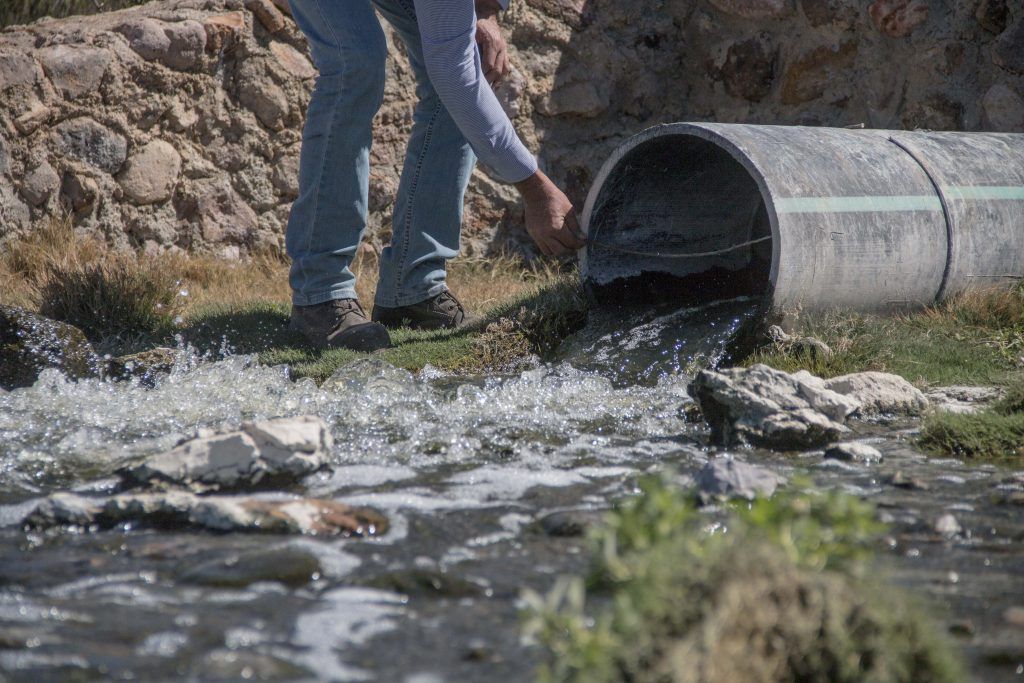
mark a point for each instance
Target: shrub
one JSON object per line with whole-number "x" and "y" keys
{"x": 773, "y": 595}
{"x": 116, "y": 297}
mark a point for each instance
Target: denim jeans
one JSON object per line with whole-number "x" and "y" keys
{"x": 329, "y": 217}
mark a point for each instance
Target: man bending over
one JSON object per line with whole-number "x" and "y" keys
{"x": 456, "y": 51}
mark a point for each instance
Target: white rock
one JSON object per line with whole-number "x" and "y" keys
{"x": 962, "y": 399}
{"x": 767, "y": 407}
{"x": 260, "y": 454}
{"x": 947, "y": 526}
{"x": 880, "y": 393}
{"x": 724, "y": 478}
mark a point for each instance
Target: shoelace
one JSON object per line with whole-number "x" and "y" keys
{"x": 346, "y": 306}
{"x": 446, "y": 297}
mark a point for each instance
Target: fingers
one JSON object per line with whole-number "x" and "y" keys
{"x": 572, "y": 226}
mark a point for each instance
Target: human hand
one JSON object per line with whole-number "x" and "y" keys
{"x": 550, "y": 219}
{"x": 493, "y": 48}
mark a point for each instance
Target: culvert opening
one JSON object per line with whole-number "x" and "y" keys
{"x": 678, "y": 219}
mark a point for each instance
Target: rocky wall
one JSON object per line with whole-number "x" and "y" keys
{"x": 177, "y": 124}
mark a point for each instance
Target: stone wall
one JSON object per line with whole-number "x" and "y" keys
{"x": 176, "y": 125}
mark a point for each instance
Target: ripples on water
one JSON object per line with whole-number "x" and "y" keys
{"x": 464, "y": 468}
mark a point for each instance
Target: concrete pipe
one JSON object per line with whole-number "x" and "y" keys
{"x": 810, "y": 218}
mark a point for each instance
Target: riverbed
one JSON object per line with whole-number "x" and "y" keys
{"x": 486, "y": 481}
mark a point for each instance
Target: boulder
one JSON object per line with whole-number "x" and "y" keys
{"x": 260, "y": 454}
{"x": 880, "y": 393}
{"x": 151, "y": 172}
{"x": 1003, "y": 108}
{"x": 180, "y": 509}
{"x": 962, "y": 399}
{"x": 178, "y": 45}
{"x": 40, "y": 184}
{"x": 86, "y": 140}
{"x": 293, "y": 567}
{"x": 762, "y": 406}
{"x": 853, "y": 451}
{"x": 30, "y": 343}
{"x": 1008, "y": 51}
{"x": 74, "y": 70}
{"x": 727, "y": 478}
{"x": 146, "y": 366}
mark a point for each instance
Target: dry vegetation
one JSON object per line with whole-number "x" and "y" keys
{"x": 26, "y": 11}
{"x": 126, "y": 301}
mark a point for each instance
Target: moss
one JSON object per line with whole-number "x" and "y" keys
{"x": 778, "y": 594}
{"x": 996, "y": 433}
{"x": 533, "y": 323}
{"x": 974, "y": 338}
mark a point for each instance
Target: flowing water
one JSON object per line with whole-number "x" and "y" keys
{"x": 470, "y": 472}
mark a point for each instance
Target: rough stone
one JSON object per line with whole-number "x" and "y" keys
{"x": 830, "y": 12}
{"x": 853, "y": 451}
{"x": 293, "y": 61}
{"x": 150, "y": 173}
{"x": 18, "y": 70}
{"x": 880, "y": 393}
{"x": 223, "y": 30}
{"x": 961, "y": 399}
{"x": 1004, "y": 109}
{"x": 40, "y": 184}
{"x": 180, "y": 509}
{"x": 74, "y": 70}
{"x": 583, "y": 98}
{"x": 898, "y": 18}
{"x": 224, "y": 217}
{"x": 992, "y": 15}
{"x": 33, "y": 117}
{"x": 810, "y": 76}
{"x": 810, "y": 346}
{"x": 727, "y": 478}
{"x": 177, "y": 45}
{"x": 86, "y": 140}
{"x": 286, "y": 173}
{"x": 260, "y": 454}
{"x": 267, "y": 101}
{"x": 30, "y": 343}
{"x": 763, "y": 406}
{"x": 267, "y": 14}
{"x": 1008, "y": 51}
{"x": 749, "y": 69}
{"x": 78, "y": 192}
{"x": 754, "y": 9}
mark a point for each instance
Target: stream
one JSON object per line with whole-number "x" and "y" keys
{"x": 482, "y": 480}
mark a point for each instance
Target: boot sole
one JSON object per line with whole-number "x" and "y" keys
{"x": 371, "y": 336}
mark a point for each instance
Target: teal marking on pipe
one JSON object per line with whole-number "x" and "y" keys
{"x": 989, "y": 192}
{"x": 857, "y": 204}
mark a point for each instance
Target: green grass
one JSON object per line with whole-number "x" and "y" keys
{"x": 995, "y": 433}
{"x": 976, "y": 338}
{"x": 779, "y": 592}
{"x": 532, "y": 323}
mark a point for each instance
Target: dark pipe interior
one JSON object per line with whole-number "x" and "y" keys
{"x": 678, "y": 194}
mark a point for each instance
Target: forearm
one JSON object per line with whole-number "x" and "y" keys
{"x": 448, "y": 31}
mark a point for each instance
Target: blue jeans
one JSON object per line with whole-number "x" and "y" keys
{"x": 329, "y": 217}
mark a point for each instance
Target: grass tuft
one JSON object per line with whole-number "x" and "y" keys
{"x": 774, "y": 595}
{"x": 974, "y": 338}
{"x": 995, "y": 433}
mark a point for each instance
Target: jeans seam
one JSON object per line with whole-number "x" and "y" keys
{"x": 330, "y": 137}
{"x": 413, "y": 186}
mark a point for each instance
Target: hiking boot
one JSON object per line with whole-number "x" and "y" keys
{"x": 438, "y": 312}
{"x": 339, "y": 324}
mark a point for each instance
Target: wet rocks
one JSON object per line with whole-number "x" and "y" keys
{"x": 763, "y": 406}
{"x": 262, "y": 453}
{"x": 30, "y": 343}
{"x": 569, "y": 523}
{"x": 146, "y": 366}
{"x": 290, "y": 566}
{"x": 880, "y": 393}
{"x": 853, "y": 451}
{"x": 727, "y": 478}
{"x": 180, "y": 509}
{"x": 947, "y": 526}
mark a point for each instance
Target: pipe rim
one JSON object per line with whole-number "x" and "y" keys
{"x": 708, "y": 134}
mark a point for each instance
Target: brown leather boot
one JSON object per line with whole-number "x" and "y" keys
{"x": 339, "y": 324}
{"x": 443, "y": 311}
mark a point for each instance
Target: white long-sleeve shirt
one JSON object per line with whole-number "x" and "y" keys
{"x": 448, "y": 32}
